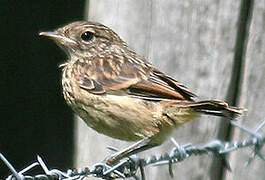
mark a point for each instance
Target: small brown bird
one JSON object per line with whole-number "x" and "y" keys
{"x": 119, "y": 94}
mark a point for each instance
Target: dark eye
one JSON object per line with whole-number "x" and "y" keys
{"x": 87, "y": 36}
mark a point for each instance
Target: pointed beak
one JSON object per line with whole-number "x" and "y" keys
{"x": 50, "y": 34}
{"x": 54, "y": 35}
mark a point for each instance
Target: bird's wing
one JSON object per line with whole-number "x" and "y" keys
{"x": 159, "y": 86}
{"x": 122, "y": 76}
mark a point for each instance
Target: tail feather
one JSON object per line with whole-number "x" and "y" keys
{"x": 217, "y": 108}
{"x": 213, "y": 107}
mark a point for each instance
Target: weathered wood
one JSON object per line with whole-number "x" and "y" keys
{"x": 219, "y": 167}
{"x": 193, "y": 42}
{"x": 253, "y": 93}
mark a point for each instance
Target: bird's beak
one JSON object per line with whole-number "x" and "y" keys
{"x": 54, "y": 35}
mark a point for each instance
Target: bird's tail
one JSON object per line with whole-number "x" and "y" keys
{"x": 216, "y": 108}
{"x": 179, "y": 112}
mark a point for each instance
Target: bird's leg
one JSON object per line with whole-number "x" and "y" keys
{"x": 133, "y": 149}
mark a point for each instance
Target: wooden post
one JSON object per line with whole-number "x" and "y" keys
{"x": 252, "y": 98}
{"x": 192, "y": 41}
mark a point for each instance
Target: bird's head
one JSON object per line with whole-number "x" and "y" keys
{"x": 85, "y": 38}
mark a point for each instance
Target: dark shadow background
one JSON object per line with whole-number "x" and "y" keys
{"x": 34, "y": 117}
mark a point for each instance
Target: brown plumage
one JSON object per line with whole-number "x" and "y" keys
{"x": 118, "y": 93}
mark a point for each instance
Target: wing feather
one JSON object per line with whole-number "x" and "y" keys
{"x": 124, "y": 76}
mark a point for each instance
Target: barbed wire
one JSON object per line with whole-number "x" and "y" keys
{"x": 129, "y": 166}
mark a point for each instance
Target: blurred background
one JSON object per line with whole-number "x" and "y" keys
{"x": 216, "y": 48}
{"x": 34, "y": 117}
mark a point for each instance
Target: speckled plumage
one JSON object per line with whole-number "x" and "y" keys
{"x": 118, "y": 93}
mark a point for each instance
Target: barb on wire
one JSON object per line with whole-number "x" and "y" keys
{"x": 129, "y": 166}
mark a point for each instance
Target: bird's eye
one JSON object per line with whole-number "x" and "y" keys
{"x": 87, "y": 36}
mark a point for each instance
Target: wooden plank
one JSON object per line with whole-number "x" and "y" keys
{"x": 193, "y": 42}
{"x": 253, "y": 93}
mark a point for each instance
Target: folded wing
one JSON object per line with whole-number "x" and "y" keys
{"x": 135, "y": 78}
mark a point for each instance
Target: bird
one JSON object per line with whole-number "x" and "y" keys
{"x": 118, "y": 93}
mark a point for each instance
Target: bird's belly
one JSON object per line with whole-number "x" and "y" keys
{"x": 120, "y": 117}
{"x": 124, "y": 117}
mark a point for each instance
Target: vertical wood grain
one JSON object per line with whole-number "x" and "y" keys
{"x": 226, "y": 130}
{"x": 192, "y": 41}
{"x": 253, "y": 93}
